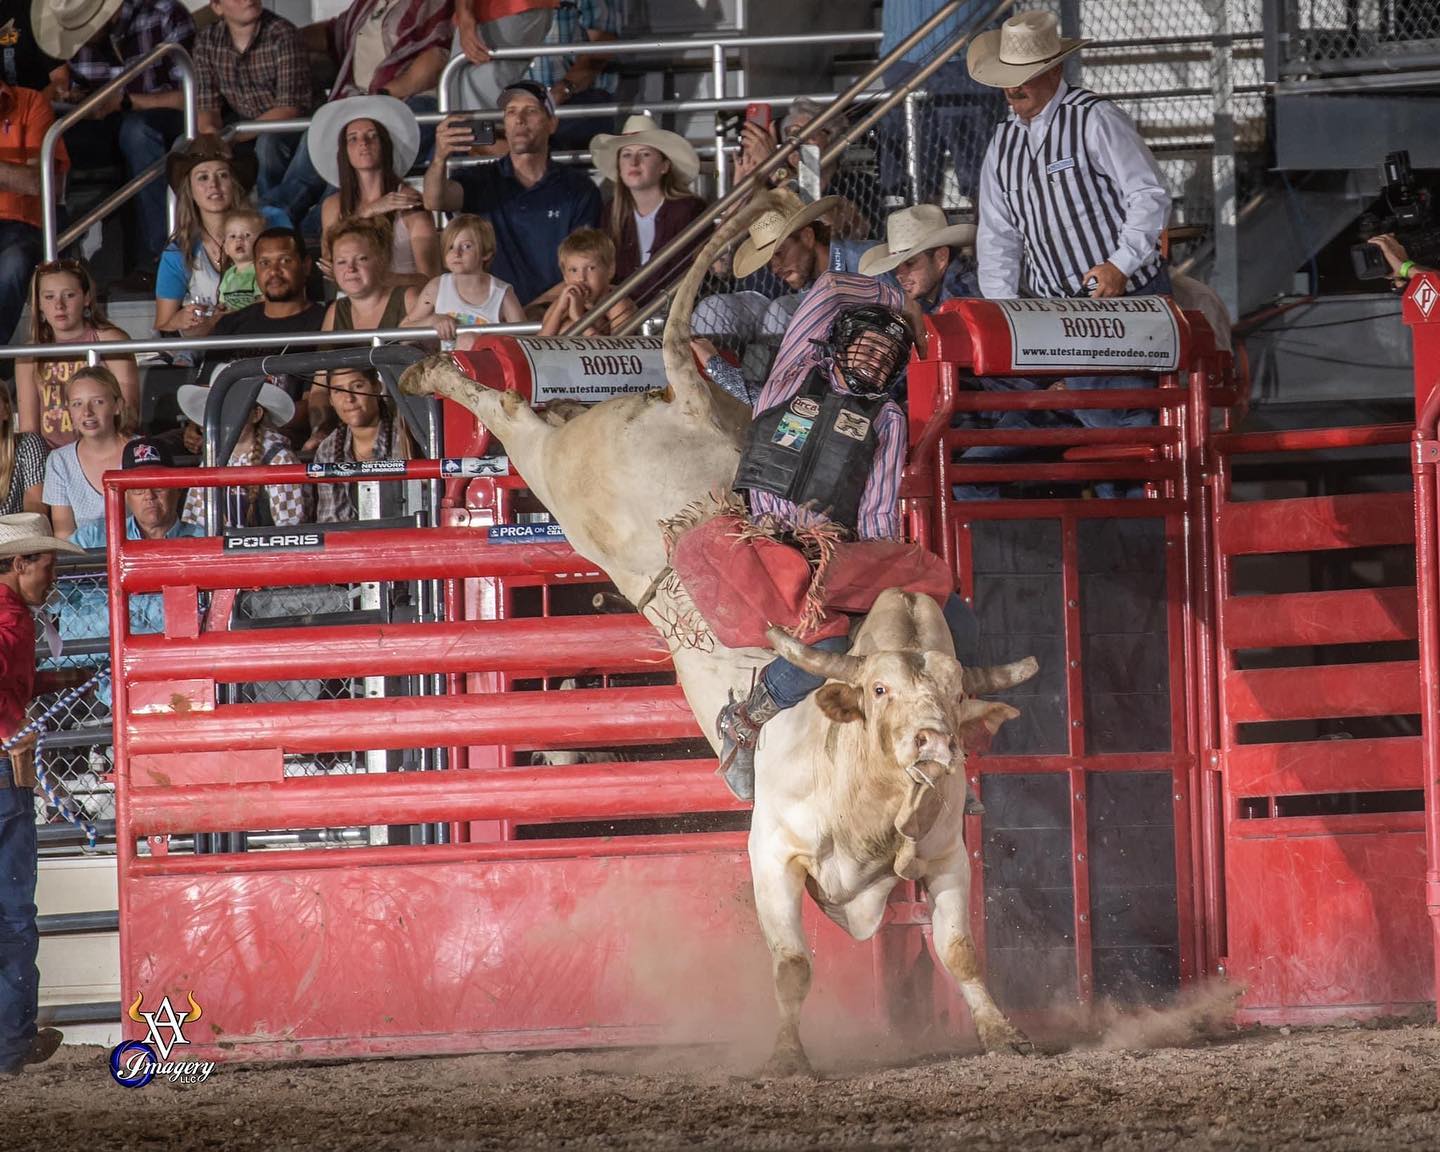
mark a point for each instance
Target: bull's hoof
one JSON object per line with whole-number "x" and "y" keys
{"x": 785, "y": 1063}
{"x": 418, "y": 379}
{"x": 1003, "y": 1037}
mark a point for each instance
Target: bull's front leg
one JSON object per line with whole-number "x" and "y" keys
{"x": 779, "y": 891}
{"x": 948, "y": 887}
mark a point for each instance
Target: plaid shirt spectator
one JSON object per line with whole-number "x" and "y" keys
{"x": 410, "y": 29}
{"x": 272, "y": 73}
{"x": 288, "y": 503}
{"x": 335, "y": 503}
{"x": 140, "y": 27}
{"x": 573, "y": 20}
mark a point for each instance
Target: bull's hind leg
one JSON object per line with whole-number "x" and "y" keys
{"x": 950, "y": 922}
{"x": 779, "y": 891}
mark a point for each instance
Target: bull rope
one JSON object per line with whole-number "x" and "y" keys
{"x": 37, "y": 725}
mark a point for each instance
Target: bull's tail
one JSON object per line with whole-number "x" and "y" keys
{"x": 685, "y": 379}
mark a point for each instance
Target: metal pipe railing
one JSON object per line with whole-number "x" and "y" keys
{"x": 184, "y": 65}
{"x": 757, "y": 179}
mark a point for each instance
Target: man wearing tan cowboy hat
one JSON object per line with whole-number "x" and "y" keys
{"x": 1071, "y": 200}
{"x": 926, "y": 255}
{"x": 102, "y": 39}
{"x": 27, "y": 575}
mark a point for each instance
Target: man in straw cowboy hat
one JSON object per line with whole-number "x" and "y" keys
{"x": 929, "y": 257}
{"x": 27, "y": 576}
{"x": 1071, "y": 200}
{"x": 101, "y": 39}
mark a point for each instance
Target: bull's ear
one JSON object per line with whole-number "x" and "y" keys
{"x": 987, "y": 714}
{"x": 839, "y": 702}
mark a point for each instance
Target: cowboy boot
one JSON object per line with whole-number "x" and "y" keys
{"x": 739, "y": 726}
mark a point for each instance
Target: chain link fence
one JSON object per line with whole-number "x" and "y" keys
{"x": 1321, "y": 37}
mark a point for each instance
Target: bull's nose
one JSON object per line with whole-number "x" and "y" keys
{"x": 933, "y": 744}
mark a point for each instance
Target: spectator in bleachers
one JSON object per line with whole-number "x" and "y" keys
{"x": 379, "y": 48}
{"x": 209, "y": 180}
{"x": 466, "y": 293}
{"x": 25, "y": 116}
{"x": 532, "y": 202}
{"x": 72, "y": 474}
{"x": 958, "y": 114}
{"x": 369, "y": 429}
{"x": 282, "y": 267}
{"x": 138, "y": 126}
{"x": 587, "y": 268}
{"x": 260, "y": 442}
{"x": 150, "y": 514}
{"x": 583, "y": 79}
{"x": 929, "y": 258}
{"x": 482, "y": 25}
{"x": 250, "y": 65}
{"x": 651, "y": 202}
{"x": 39, "y": 40}
{"x": 359, "y": 249}
{"x": 365, "y": 146}
{"x": 237, "y": 283}
{"x": 22, "y": 464}
{"x": 65, "y": 310}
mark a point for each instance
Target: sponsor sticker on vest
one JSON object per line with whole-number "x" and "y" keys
{"x": 525, "y": 534}
{"x": 852, "y": 424}
{"x": 274, "y": 540}
{"x": 1133, "y": 332}
{"x": 1060, "y": 166}
{"x": 594, "y": 368}
{"x": 792, "y": 431}
{"x": 805, "y": 406}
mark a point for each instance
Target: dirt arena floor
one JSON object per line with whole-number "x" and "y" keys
{"x": 1146, "y": 1083}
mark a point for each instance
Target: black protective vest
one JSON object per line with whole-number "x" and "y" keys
{"x": 814, "y": 449}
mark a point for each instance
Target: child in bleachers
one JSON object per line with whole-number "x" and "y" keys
{"x": 587, "y": 263}
{"x": 466, "y": 293}
{"x": 237, "y": 284}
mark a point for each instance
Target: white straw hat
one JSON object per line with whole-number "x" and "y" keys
{"x": 63, "y": 27}
{"x": 327, "y": 128}
{"x": 605, "y": 148}
{"x": 771, "y": 227}
{"x": 911, "y": 231}
{"x": 1022, "y": 47}
{"x": 27, "y": 533}
{"x": 274, "y": 399}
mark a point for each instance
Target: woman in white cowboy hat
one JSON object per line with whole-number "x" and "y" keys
{"x": 921, "y": 252}
{"x": 651, "y": 171}
{"x": 279, "y": 505}
{"x": 365, "y": 146}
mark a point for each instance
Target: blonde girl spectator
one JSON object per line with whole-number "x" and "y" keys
{"x": 466, "y": 293}
{"x": 22, "y": 464}
{"x": 64, "y": 310}
{"x": 587, "y": 265}
{"x": 364, "y": 146}
{"x": 369, "y": 430}
{"x": 72, "y": 473}
{"x": 650, "y": 171}
{"x": 208, "y": 181}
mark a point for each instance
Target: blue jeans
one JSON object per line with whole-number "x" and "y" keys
{"x": 788, "y": 685}
{"x": 19, "y": 937}
{"x": 138, "y": 138}
{"x": 299, "y": 188}
{"x": 21, "y": 246}
{"x": 575, "y": 133}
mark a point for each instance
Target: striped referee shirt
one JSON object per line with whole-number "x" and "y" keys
{"x": 1073, "y": 188}
{"x": 879, "y": 515}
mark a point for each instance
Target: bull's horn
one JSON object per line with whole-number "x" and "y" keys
{"x": 194, "y": 1013}
{"x": 134, "y": 1012}
{"x": 978, "y": 681}
{"x": 816, "y": 661}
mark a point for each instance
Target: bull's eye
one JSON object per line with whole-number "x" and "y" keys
{"x": 880, "y": 689}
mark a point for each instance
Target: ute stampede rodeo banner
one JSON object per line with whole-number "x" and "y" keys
{"x": 594, "y": 368}
{"x": 1132, "y": 333}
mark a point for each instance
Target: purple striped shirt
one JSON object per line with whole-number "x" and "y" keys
{"x": 879, "y": 517}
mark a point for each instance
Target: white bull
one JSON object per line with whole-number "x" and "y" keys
{"x": 826, "y": 809}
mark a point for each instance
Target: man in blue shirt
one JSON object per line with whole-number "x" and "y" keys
{"x": 925, "y": 256}
{"x": 532, "y": 202}
{"x": 154, "y": 514}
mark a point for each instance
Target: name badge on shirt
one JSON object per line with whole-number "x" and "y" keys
{"x": 1060, "y": 166}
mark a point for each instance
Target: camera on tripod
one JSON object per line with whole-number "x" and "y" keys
{"x": 1411, "y": 218}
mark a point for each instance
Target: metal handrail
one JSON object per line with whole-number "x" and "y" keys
{"x": 186, "y": 68}
{"x": 111, "y": 348}
{"x": 758, "y": 179}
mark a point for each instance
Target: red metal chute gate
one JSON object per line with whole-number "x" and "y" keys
{"x": 598, "y": 903}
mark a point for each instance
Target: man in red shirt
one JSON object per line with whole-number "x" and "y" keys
{"x": 25, "y": 116}
{"x": 27, "y": 574}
